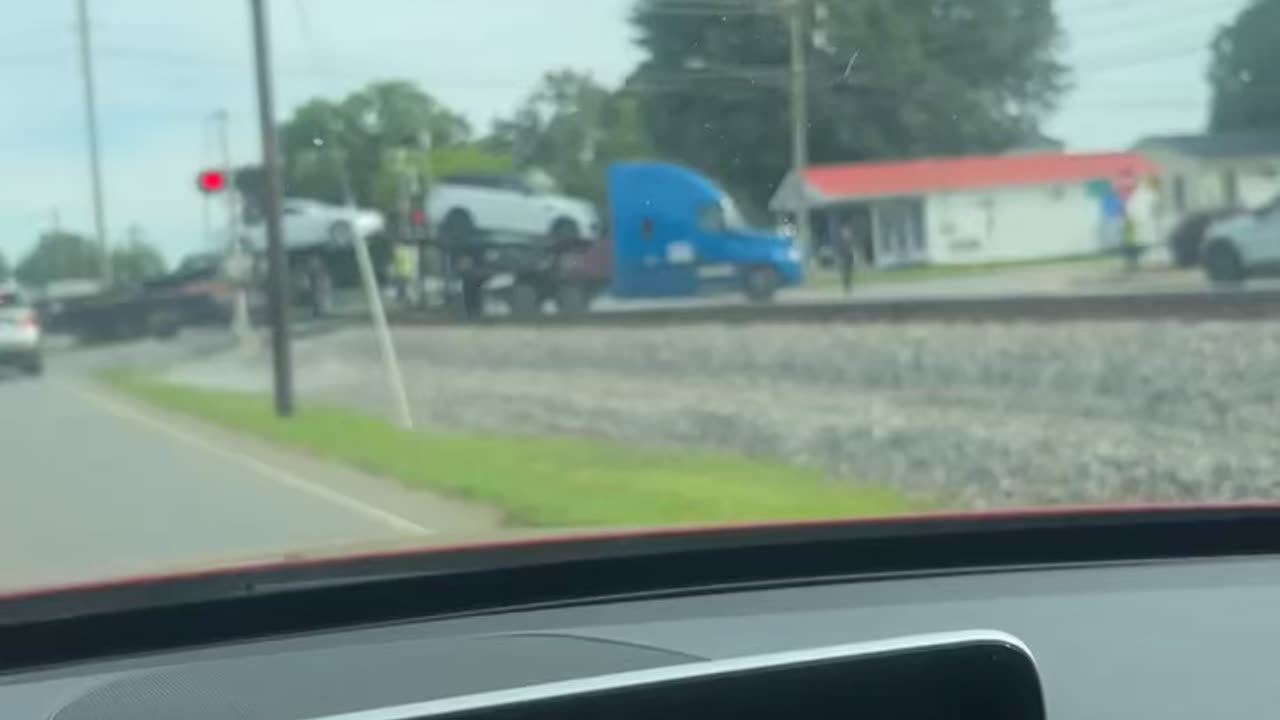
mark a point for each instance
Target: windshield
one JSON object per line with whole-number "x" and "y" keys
{"x": 420, "y": 309}
{"x": 732, "y": 215}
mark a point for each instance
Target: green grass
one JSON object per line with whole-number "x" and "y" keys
{"x": 539, "y": 481}
{"x": 828, "y": 278}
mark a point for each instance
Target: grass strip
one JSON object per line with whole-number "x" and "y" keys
{"x": 538, "y": 481}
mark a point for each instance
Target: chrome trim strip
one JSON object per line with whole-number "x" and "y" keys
{"x": 683, "y": 671}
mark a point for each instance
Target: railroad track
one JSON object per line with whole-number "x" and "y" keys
{"x": 1197, "y": 306}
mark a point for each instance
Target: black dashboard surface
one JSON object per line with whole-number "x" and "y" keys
{"x": 1163, "y": 640}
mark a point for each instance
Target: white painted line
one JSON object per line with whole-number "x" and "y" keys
{"x": 264, "y": 469}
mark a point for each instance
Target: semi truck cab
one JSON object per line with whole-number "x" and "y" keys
{"x": 676, "y": 234}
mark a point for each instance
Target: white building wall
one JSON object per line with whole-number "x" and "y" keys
{"x": 1008, "y": 224}
{"x": 1024, "y": 223}
{"x": 1204, "y": 186}
{"x": 1258, "y": 188}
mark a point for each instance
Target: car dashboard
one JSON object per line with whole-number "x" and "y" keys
{"x": 1163, "y": 639}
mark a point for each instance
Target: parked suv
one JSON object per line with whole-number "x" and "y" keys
{"x": 19, "y": 332}
{"x": 461, "y": 205}
{"x": 1243, "y": 245}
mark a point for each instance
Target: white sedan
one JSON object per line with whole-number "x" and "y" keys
{"x": 307, "y": 223}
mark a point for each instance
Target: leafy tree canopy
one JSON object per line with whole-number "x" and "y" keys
{"x": 70, "y": 256}
{"x": 1244, "y": 73}
{"x": 572, "y": 127}
{"x": 886, "y": 79}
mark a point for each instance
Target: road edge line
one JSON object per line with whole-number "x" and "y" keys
{"x": 261, "y": 467}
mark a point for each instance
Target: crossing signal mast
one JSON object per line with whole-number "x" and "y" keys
{"x": 217, "y": 182}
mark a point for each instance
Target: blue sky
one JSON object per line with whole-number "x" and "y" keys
{"x": 163, "y": 66}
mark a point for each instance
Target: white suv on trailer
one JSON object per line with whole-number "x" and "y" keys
{"x": 307, "y": 223}
{"x": 461, "y": 205}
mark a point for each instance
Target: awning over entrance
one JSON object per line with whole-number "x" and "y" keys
{"x": 826, "y": 185}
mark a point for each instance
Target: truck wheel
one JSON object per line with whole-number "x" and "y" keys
{"x": 565, "y": 230}
{"x": 1223, "y": 266}
{"x": 572, "y": 300}
{"x": 761, "y": 284}
{"x": 524, "y": 301}
{"x": 458, "y": 227}
{"x": 341, "y": 234}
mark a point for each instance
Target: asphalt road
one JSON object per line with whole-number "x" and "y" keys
{"x": 94, "y": 487}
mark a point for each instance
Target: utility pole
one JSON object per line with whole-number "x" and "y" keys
{"x": 278, "y": 269}
{"x": 91, "y": 121}
{"x": 234, "y": 250}
{"x": 799, "y": 23}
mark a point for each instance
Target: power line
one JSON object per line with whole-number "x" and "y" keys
{"x": 30, "y": 56}
{"x": 1171, "y": 14}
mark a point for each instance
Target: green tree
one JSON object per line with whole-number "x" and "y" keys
{"x": 328, "y": 145}
{"x": 6, "y": 272}
{"x": 1244, "y": 73}
{"x": 886, "y": 79}
{"x": 70, "y": 256}
{"x": 358, "y": 135}
{"x": 135, "y": 261}
{"x": 572, "y": 127}
{"x": 60, "y": 256}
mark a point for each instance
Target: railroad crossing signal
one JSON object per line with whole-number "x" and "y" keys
{"x": 211, "y": 182}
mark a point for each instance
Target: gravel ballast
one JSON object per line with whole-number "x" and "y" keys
{"x": 968, "y": 415}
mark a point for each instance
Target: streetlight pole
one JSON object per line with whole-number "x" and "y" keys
{"x": 278, "y": 268}
{"x": 91, "y": 123}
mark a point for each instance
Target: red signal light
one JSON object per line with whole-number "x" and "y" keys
{"x": 211, "y": 181}
{"x": 418, "y": 217}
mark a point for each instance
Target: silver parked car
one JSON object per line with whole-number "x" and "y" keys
{"x": 19, "y": 332}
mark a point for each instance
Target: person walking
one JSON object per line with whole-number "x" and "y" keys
{"x": 1132, "y": 250}
{"x": 846, "y": 249}
{"x": 405, "y": 268}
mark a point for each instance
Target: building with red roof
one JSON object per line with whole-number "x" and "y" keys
{"x": 972, "y": 209}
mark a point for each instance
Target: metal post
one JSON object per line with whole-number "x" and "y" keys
{"x": 205, "y": 224}
{"x": 404, "y": 225}
{"x": 390, "y": 364}
{"x": 235, "y": 253}
{"x": 91, "y": 122}
{"x": 800, "y": 122}
{"x": 207, "y": 235}
{"x": 373, "y": 295}
{"x": 278, "y": 268}
{"x": 424, "y": 182}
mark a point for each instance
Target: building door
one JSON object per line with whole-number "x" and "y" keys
{"x": 899, "y": 232}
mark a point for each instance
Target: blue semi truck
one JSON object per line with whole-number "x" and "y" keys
{"x": 671, "y": 233}
{"x": 676, "y": 234}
